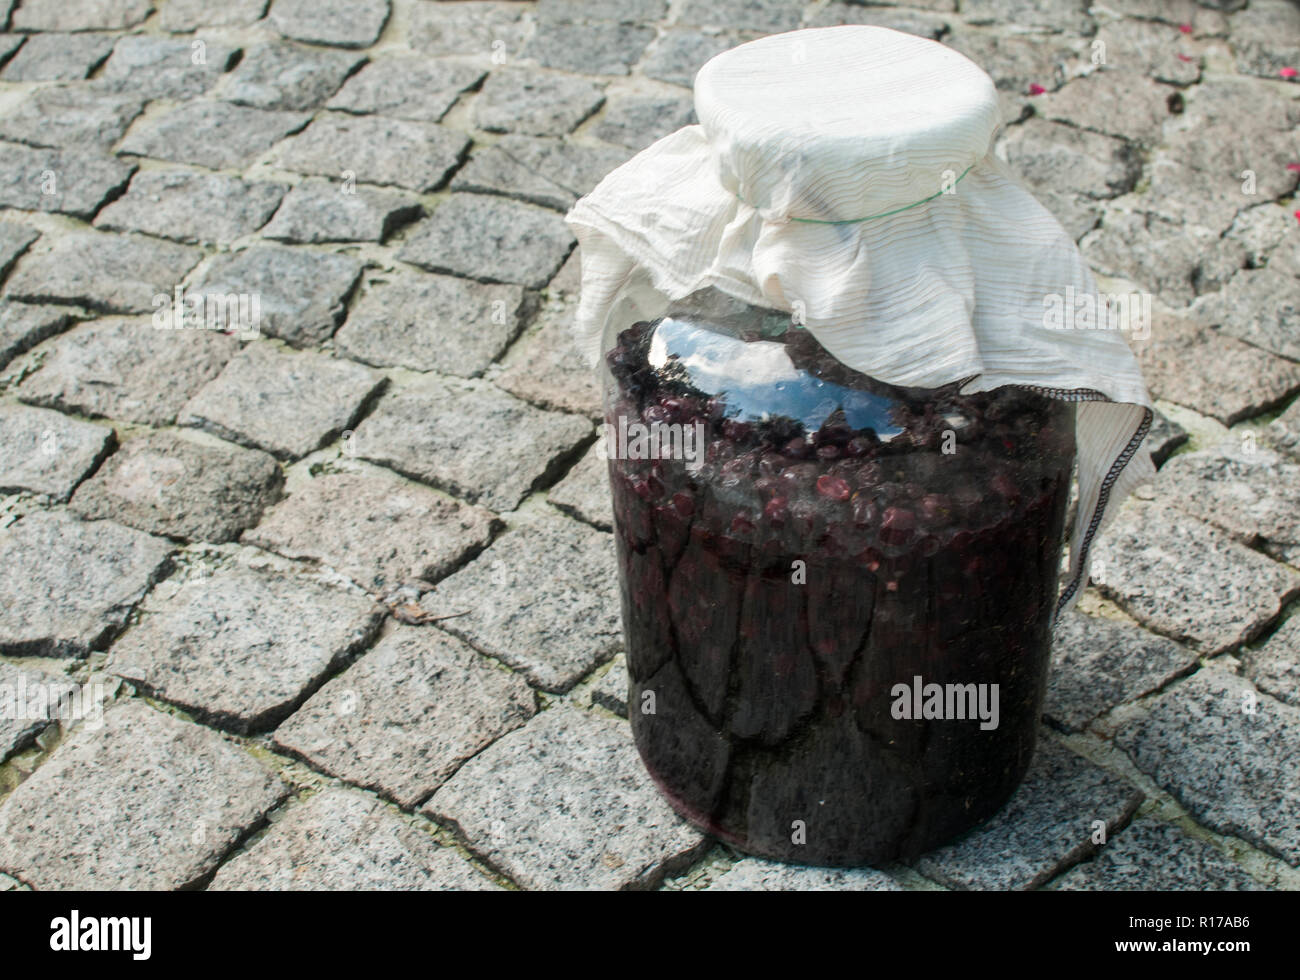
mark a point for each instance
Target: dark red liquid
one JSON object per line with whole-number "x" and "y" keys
{"x": 775, "y": 595}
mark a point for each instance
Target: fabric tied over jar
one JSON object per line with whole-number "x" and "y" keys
{"x": 846, "y": 175}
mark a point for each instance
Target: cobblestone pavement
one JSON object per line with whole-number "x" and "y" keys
{"x": 223, "y": 548}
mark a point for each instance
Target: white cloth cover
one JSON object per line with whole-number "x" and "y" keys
{"x": 846, "y": 174}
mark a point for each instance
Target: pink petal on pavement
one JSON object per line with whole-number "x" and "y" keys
{"x": 1288, "y": 72}
{"x": 1036, "y": 89}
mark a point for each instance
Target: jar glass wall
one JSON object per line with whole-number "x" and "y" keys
{"x": 807, "y": 556}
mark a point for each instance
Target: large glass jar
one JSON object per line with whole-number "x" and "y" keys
{"x": 836, "y": 602}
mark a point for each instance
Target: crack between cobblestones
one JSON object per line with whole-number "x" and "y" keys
{"x": 457, "y": 833}
{"x": 1087, "y": 849}
{"x": 1287, "y": 610}
{"x": 529, "y": 311}
{"x": 103, "y": 639}
{"x": 560, "y": 466}
{"x": 110, "y": 447}
{"x": 590, "y": 678}
{"x": 1265, "y": 867}
{"x": 266, "y": 722}
{"x": 21, "y": 880}
{"x": 246, "y": 841}
{"x": 201, "y": 882}
{"x": 1158, "y": 689}
{"x": 299, "y": 792}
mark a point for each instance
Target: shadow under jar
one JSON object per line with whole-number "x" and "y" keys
{"x": 833, "y": 546}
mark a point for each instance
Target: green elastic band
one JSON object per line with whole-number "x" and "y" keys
{"x": 883, "y": 214}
